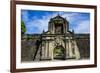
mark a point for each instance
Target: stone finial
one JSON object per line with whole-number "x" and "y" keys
{"x": 43, "y": 31}
{"x": 73, "y": 30}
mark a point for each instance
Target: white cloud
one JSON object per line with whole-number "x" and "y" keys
{"x": 40, "y": 24}
{"x": 83, "y": 27}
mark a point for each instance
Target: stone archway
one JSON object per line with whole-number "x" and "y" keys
{"x": 59, "y": 53}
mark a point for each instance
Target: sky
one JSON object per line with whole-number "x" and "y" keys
{"x": 36, "y": 21}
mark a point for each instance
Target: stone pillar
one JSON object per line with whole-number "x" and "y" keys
{"x": 64, "y": 28}
{"x": 51, "y": 49}
{"x": 43, "y": 51}
{"x": 77, "y": 53}
{"x": 53, "y": 28}
{"x": 67, "y": 49}
{"x": 46, "y": 49}
{"x": 70, "y": 49}
{"x": 52, "y": 53}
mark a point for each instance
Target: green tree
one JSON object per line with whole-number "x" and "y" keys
{"x": 23, "y": 28}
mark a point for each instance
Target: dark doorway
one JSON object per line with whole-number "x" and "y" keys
{"x": 59, "y": 53}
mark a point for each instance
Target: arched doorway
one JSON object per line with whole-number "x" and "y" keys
{"x": 59, "y": 53}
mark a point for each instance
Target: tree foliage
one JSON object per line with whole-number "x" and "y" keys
{"x": 23, "y": 28}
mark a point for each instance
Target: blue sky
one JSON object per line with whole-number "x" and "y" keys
{"x": 37, "y": 21}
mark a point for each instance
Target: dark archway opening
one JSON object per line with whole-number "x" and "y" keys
{"x": 59, "y": 53}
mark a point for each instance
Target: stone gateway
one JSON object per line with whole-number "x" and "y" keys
{"x": 58, "y": 43}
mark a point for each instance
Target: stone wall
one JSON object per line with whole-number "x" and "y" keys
{"x": 29, "y": 48}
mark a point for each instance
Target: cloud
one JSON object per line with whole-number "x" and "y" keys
{"x": 83, "y": 27}
{"x": 77, "y": 21}
{"x": 37, "y": 25}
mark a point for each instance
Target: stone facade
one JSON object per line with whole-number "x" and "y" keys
{"x": 58, "y": 36}
{"x": 56, "y": 43}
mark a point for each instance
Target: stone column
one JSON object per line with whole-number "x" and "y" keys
{"x": 51, "y": 50}
{"x": 70, "y": 49}
{"x": 43, "y": 50}
{"x": 67, "y": 49}
{"x": 46, "y": 49}
{"x": 64, "y": 28}
{"x": 77, "y": 53}
{"x": 53, "y": 28}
